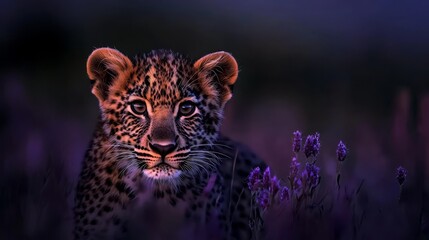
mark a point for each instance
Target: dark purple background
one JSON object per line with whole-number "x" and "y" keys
{"x": 355, "y": 70}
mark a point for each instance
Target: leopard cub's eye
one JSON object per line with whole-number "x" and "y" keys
{"x": 187, "y": 108}
{"x": 138, "y": 107}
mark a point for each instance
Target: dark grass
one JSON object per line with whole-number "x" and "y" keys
{"x": 38, "y": 178}
{"x": 336, "y": 210}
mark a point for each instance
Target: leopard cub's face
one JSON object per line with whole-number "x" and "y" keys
{"x": 161, "y": 112}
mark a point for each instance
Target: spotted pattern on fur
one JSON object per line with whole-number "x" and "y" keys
{"x": 161, "y": 172}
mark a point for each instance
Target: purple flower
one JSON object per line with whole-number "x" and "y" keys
{"x": 275, "y": 185}
{"x": 311, "y": 175}
{"x": 297, "y": 139}
{"x": 254, "y": 179}
{"x": 266, "y": 189}
{"x": 284, "y": 194}
{"x": 266, "y": 178}
{"x": 341, "y": 151}
{"x": 401, "y": 174}
{"x": 294, "y": 178}
{"x": 263, "y": 199}
{"x": 312, "y": 145}
{"x": 294, "y": 168}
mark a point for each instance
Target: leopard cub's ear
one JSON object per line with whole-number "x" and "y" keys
{"x": 217, "y": 72}
{"x": 106, "y": 66}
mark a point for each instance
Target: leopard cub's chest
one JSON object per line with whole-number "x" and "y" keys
{"x": 188, "y": 209}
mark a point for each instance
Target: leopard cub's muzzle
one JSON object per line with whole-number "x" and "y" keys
{"x": 163, "y": 138}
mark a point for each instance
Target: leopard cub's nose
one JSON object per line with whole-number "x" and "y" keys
{"x": 163, "y": 148}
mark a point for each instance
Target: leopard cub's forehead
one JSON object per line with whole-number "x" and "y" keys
{"x": 163, "y": 77}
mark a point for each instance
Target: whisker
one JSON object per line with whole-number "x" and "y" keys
{"x": 215, "y": 153}
{"x": 212, "y": 145}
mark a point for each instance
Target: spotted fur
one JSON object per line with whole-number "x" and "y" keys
{"x": 157, "y": 167}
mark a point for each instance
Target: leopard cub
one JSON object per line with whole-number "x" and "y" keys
{"x": 157, "y": 167}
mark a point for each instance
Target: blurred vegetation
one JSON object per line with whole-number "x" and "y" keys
{"x": 356, "y": 71}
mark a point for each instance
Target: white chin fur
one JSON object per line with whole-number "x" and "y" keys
{"x": 159, "y": 173}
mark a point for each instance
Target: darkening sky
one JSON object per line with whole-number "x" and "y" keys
{"x": 328, "y": 66}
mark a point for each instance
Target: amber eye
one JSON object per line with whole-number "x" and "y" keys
{"x": 187, "y": 108}
{"x": 138, "y": 107}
